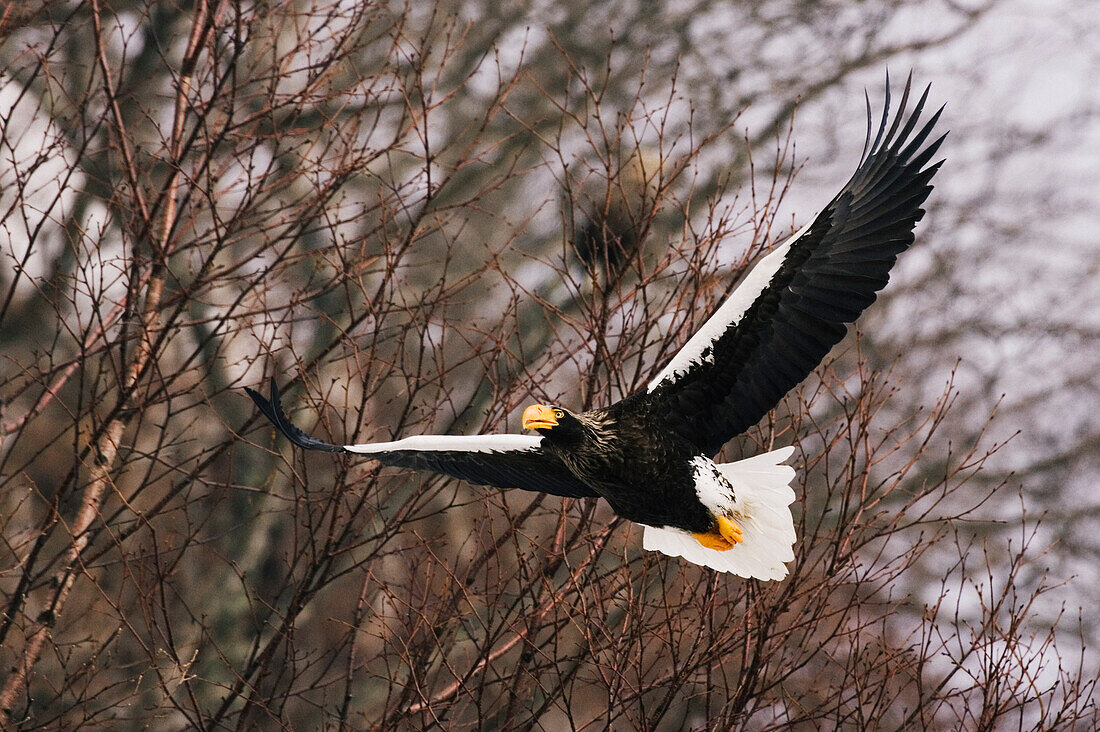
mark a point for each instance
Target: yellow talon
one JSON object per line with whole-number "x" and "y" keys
{"x": 724, "y": 539}
{"x": 714, "y": 541}
{"x": 730, "y": 531}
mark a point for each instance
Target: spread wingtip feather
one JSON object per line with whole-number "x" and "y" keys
{"x": 272, "y": 409}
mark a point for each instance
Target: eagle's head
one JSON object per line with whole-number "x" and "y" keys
{"x": 547, "y": 419}
{"x": 562, "y": 426}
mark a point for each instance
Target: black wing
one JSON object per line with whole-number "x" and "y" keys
{"x": 775, "y": 328}
{"x": 503, "y": 461}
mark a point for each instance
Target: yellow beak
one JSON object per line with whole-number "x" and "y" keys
{"x": 539, "y": 417}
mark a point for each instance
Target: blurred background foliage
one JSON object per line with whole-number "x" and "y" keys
{"x": 377, "y": 204}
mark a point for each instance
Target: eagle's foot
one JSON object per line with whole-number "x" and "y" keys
{"x": 730, "y": 531}
{"x": 713, "y": 540}
{"x": 727, "y": 535}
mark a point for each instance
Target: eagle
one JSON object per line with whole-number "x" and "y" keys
{"x": 651, "y": 455}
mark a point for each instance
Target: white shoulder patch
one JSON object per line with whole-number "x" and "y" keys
{"x": 697, "y": 349}
{"x": 451, "y": 443}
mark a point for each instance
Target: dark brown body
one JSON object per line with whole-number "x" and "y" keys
{"x": 629, "y": 457}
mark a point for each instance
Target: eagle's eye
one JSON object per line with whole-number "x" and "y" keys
{"x": 558, "y": 413}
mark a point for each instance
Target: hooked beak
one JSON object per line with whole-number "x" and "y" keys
{"x": 539, "y": 417}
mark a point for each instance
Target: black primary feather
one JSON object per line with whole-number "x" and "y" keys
{"x": 273, "y": 410}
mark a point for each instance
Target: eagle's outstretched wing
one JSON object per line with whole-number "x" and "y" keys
{"x": 503, "y": 461}
{"x": 792, "y": 307}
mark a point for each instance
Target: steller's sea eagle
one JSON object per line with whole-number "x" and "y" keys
{"x": 650, "y": 454}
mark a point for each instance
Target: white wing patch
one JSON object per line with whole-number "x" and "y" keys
{"x": 451, "y": 443}
{"x": 763, "y": 497}
{"x": 698, "y": 348}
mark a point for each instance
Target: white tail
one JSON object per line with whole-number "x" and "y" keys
{"x": 763, "y": 496}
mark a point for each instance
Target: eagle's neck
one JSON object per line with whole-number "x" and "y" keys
{"x": 592, "y": 438}
{"x": 598, "y": 430}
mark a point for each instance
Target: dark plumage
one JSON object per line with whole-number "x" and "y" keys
{"x": 649, "y": 455}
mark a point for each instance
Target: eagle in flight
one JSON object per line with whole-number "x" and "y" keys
{"x": 650, "y": 454}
